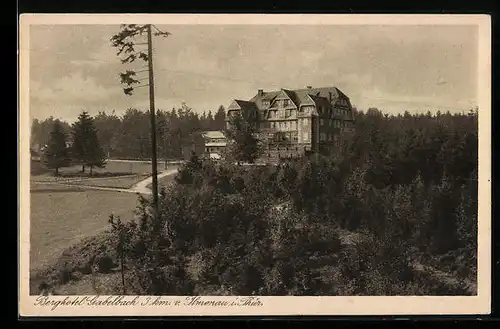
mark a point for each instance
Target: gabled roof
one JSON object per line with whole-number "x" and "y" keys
{"x": 323, "y": 92}
{"x": 320, "y": 101}
{"x": 215, "y": 134}
{"x": 257, "y": 99}
{"x": 301, "y": 96}
{"x": 246, "y": 104}
{"x": 247, "y": 109}
{"x": 292, "y": 96}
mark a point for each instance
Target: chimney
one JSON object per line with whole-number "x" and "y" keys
{"x": 260, "y": 92}
{"x": 309, "y": 87}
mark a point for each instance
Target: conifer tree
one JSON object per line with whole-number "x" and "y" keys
{"x": 56, "y": 154}
{"x": 219, "y": 119}
{"x": 86, "y": 149}
{"x": 244, "y": 146}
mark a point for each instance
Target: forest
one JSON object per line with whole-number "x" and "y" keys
{"x": 404, "y": 191}
{"x": 394, "y": 214}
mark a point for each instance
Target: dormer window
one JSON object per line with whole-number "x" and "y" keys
{"x": 265, "y": 103}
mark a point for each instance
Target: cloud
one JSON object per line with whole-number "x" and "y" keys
{"x": 393, "y": 68}
{"x": 74, "y": 87}
{"x": 190, "y": 59}
{"x": 103, "y": 55}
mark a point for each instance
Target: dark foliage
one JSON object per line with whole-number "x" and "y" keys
{"x": 86, "y": 148}
{"x": 403, "y": 195}
{"x": 56, "y": 155}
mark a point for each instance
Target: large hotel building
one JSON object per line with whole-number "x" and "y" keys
{"x": 296, "y": 122}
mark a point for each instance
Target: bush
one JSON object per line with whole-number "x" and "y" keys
{"x": 64, "y": 274}
{"x": 104, "y": 263}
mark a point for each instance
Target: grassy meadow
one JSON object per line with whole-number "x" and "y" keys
{"x": 61, "y": 217}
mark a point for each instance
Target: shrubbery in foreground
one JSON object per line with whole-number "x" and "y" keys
{"x": 410, "y": 197}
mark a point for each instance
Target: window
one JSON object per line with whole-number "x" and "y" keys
{"x": 322, "y": 137}
{"x": 285, "y": 102}
{"x": 305, "y": 136}
{"x": 337, "y": 141}
{"x": 321, "y": 122}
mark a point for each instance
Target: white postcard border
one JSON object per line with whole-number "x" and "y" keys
{"x": 480, "y": 304}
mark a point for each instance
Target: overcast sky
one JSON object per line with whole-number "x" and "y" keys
{"x": 394, "y": 68}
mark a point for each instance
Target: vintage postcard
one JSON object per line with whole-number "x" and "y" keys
{"x": 187, "y": 165}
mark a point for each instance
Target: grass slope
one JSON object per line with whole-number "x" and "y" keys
{"x": 61, "y": 216}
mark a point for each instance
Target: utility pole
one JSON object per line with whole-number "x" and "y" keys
{"x": 125, "y": 42}
{"x": 154, "y": 160}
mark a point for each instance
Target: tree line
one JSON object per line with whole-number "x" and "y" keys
{"x": 128, "y": 136}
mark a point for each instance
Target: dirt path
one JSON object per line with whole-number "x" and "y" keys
{"x": 138, "y": 188}
{"x": 142, "y": 186}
